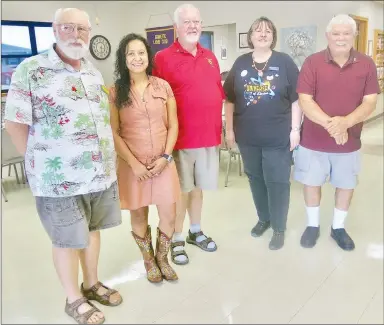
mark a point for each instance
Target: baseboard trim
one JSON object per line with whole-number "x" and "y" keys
{"x": 374, "y": 118}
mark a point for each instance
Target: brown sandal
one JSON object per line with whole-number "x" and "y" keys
{"x": 191, "y": 239}
{"x": 178, "y": 253}
{"x": 91, "y": 294}
{"x": 72, "y": 310}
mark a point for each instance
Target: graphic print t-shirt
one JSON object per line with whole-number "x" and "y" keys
{"x": 262, "y": 115}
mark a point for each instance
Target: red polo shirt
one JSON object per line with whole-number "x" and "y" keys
{"x": 338, "y": 92}
{"x": 196, "y": 84}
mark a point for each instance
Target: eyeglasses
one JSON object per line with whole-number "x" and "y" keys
{"x": 70, "y": 28}
{"x": 194, "y": 22}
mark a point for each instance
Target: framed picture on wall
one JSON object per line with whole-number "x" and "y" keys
{"x": 223, "y": 53}
{"x": 243, "y": 43}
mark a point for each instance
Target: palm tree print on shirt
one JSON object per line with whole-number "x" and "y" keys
{"x": 87, "y": 133}
{"x": 53, "y": 117}
{"x": 86, "y": 160}
{"x": 55, "y": 181}
{"x": 51, "y": 176}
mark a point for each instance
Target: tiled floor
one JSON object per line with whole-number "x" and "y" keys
{"x": 243, "y": 282}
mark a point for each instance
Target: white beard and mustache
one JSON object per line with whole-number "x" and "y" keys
{"x": 192, "y": 38}
{"x": 73, "y": 52}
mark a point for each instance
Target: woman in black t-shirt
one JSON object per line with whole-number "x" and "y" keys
{"x": 263, "y": 115}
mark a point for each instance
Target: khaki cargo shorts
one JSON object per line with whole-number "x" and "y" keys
{"x": 197, "y": 168}
{"x": 68, "y": 220}
{"x": 314, "y": 168}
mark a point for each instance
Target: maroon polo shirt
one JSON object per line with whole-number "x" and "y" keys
{"x": 196, "y": 84}
{"x": 338, "y": 92}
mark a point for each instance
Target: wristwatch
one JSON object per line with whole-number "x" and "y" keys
{"x": 168, "y": 157}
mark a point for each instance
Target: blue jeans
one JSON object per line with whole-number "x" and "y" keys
{"x": 268, "y": 171}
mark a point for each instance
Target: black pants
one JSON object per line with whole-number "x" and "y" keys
{"x": 268, "y": 171}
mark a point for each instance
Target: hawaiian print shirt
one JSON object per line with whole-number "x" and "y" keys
{"x": 70, "y": 149}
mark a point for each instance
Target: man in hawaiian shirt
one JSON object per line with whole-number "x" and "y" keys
{"x": 58, "y": 117}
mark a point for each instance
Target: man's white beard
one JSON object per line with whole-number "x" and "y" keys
{"x": 192, "y": 38}
{"x": 73, "y": 52}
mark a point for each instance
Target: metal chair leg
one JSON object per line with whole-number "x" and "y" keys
{"x": 22, "y": 172}
{"x": 3, "y": 192}
{"x": 228, "y": 167}
{"x": 17, "y": 174}
{"x": 9, "y": 170}
{"x": 25, "y": 172}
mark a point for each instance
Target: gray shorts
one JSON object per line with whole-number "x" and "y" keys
{"x": 197, "y": 168}
{"x": 68, "y": 220}
{"x": 313, "y": 168}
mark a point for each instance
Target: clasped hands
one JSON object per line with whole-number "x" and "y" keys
{"x": 143, "y": 172}
{"x": 337, "y": 128}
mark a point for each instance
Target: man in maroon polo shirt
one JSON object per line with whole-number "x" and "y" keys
{"x": 337, "y": 90}
{"x": 194, "y": 75}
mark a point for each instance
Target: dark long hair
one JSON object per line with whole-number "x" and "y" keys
{"x": 122, "y": 77}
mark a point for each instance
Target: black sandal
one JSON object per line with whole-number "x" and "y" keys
{"x": 191, "y": 239}
{"x": 178, "y": 253}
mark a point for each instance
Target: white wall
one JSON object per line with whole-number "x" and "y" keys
{"x": 224, "y": 37}
{"x": 243, "y": 13}
{"x": 118, "y": 18}
{"x": 112, "y": 21}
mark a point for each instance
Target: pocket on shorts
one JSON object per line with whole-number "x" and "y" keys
{"x": 302, "y": 159}
{"x": 63, "y": 211}
{"x": 114, "y": 192}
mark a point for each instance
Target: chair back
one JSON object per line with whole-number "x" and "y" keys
{"x": 8, "y": 149}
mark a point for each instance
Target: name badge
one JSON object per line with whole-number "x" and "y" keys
{"x": 274, "y": 68}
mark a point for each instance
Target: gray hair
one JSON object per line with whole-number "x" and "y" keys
{"x": 179, "y": 9}
{"x": 342, "y": 19}
{"x": 60, "y": 11}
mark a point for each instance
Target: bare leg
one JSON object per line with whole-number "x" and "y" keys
{"x": 167, "y": 216}
{"x": 181, "y": 211}
{"x": 343, "y": 199}
{"x": 195, "y": 206}
{"x": 312, "y": 196}
{"x": 66, "y": 261}
{"x": 194, "y": 210}
{"x": 89, "y": 259}
{"x": 139, "y": 221}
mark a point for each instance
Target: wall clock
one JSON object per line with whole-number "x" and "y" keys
{"x": 99, "y": 47}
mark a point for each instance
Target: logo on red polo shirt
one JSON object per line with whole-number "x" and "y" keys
{"x": 210, "y": 62}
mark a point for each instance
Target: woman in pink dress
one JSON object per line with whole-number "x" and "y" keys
{"x": 145, "y": 128}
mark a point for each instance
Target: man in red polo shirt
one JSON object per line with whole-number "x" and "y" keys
{"x": 337, "y": 90}
{"x": 194, "y": 75}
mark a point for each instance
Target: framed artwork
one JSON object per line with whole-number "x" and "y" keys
{"x": 243, "y": 43}
{"x": 223, "y": 53}
{"x": 299, "y": 42}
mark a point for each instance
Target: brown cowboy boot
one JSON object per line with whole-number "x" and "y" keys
{"x": 146, "y": 248}
{"x": 163, "y": 243}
